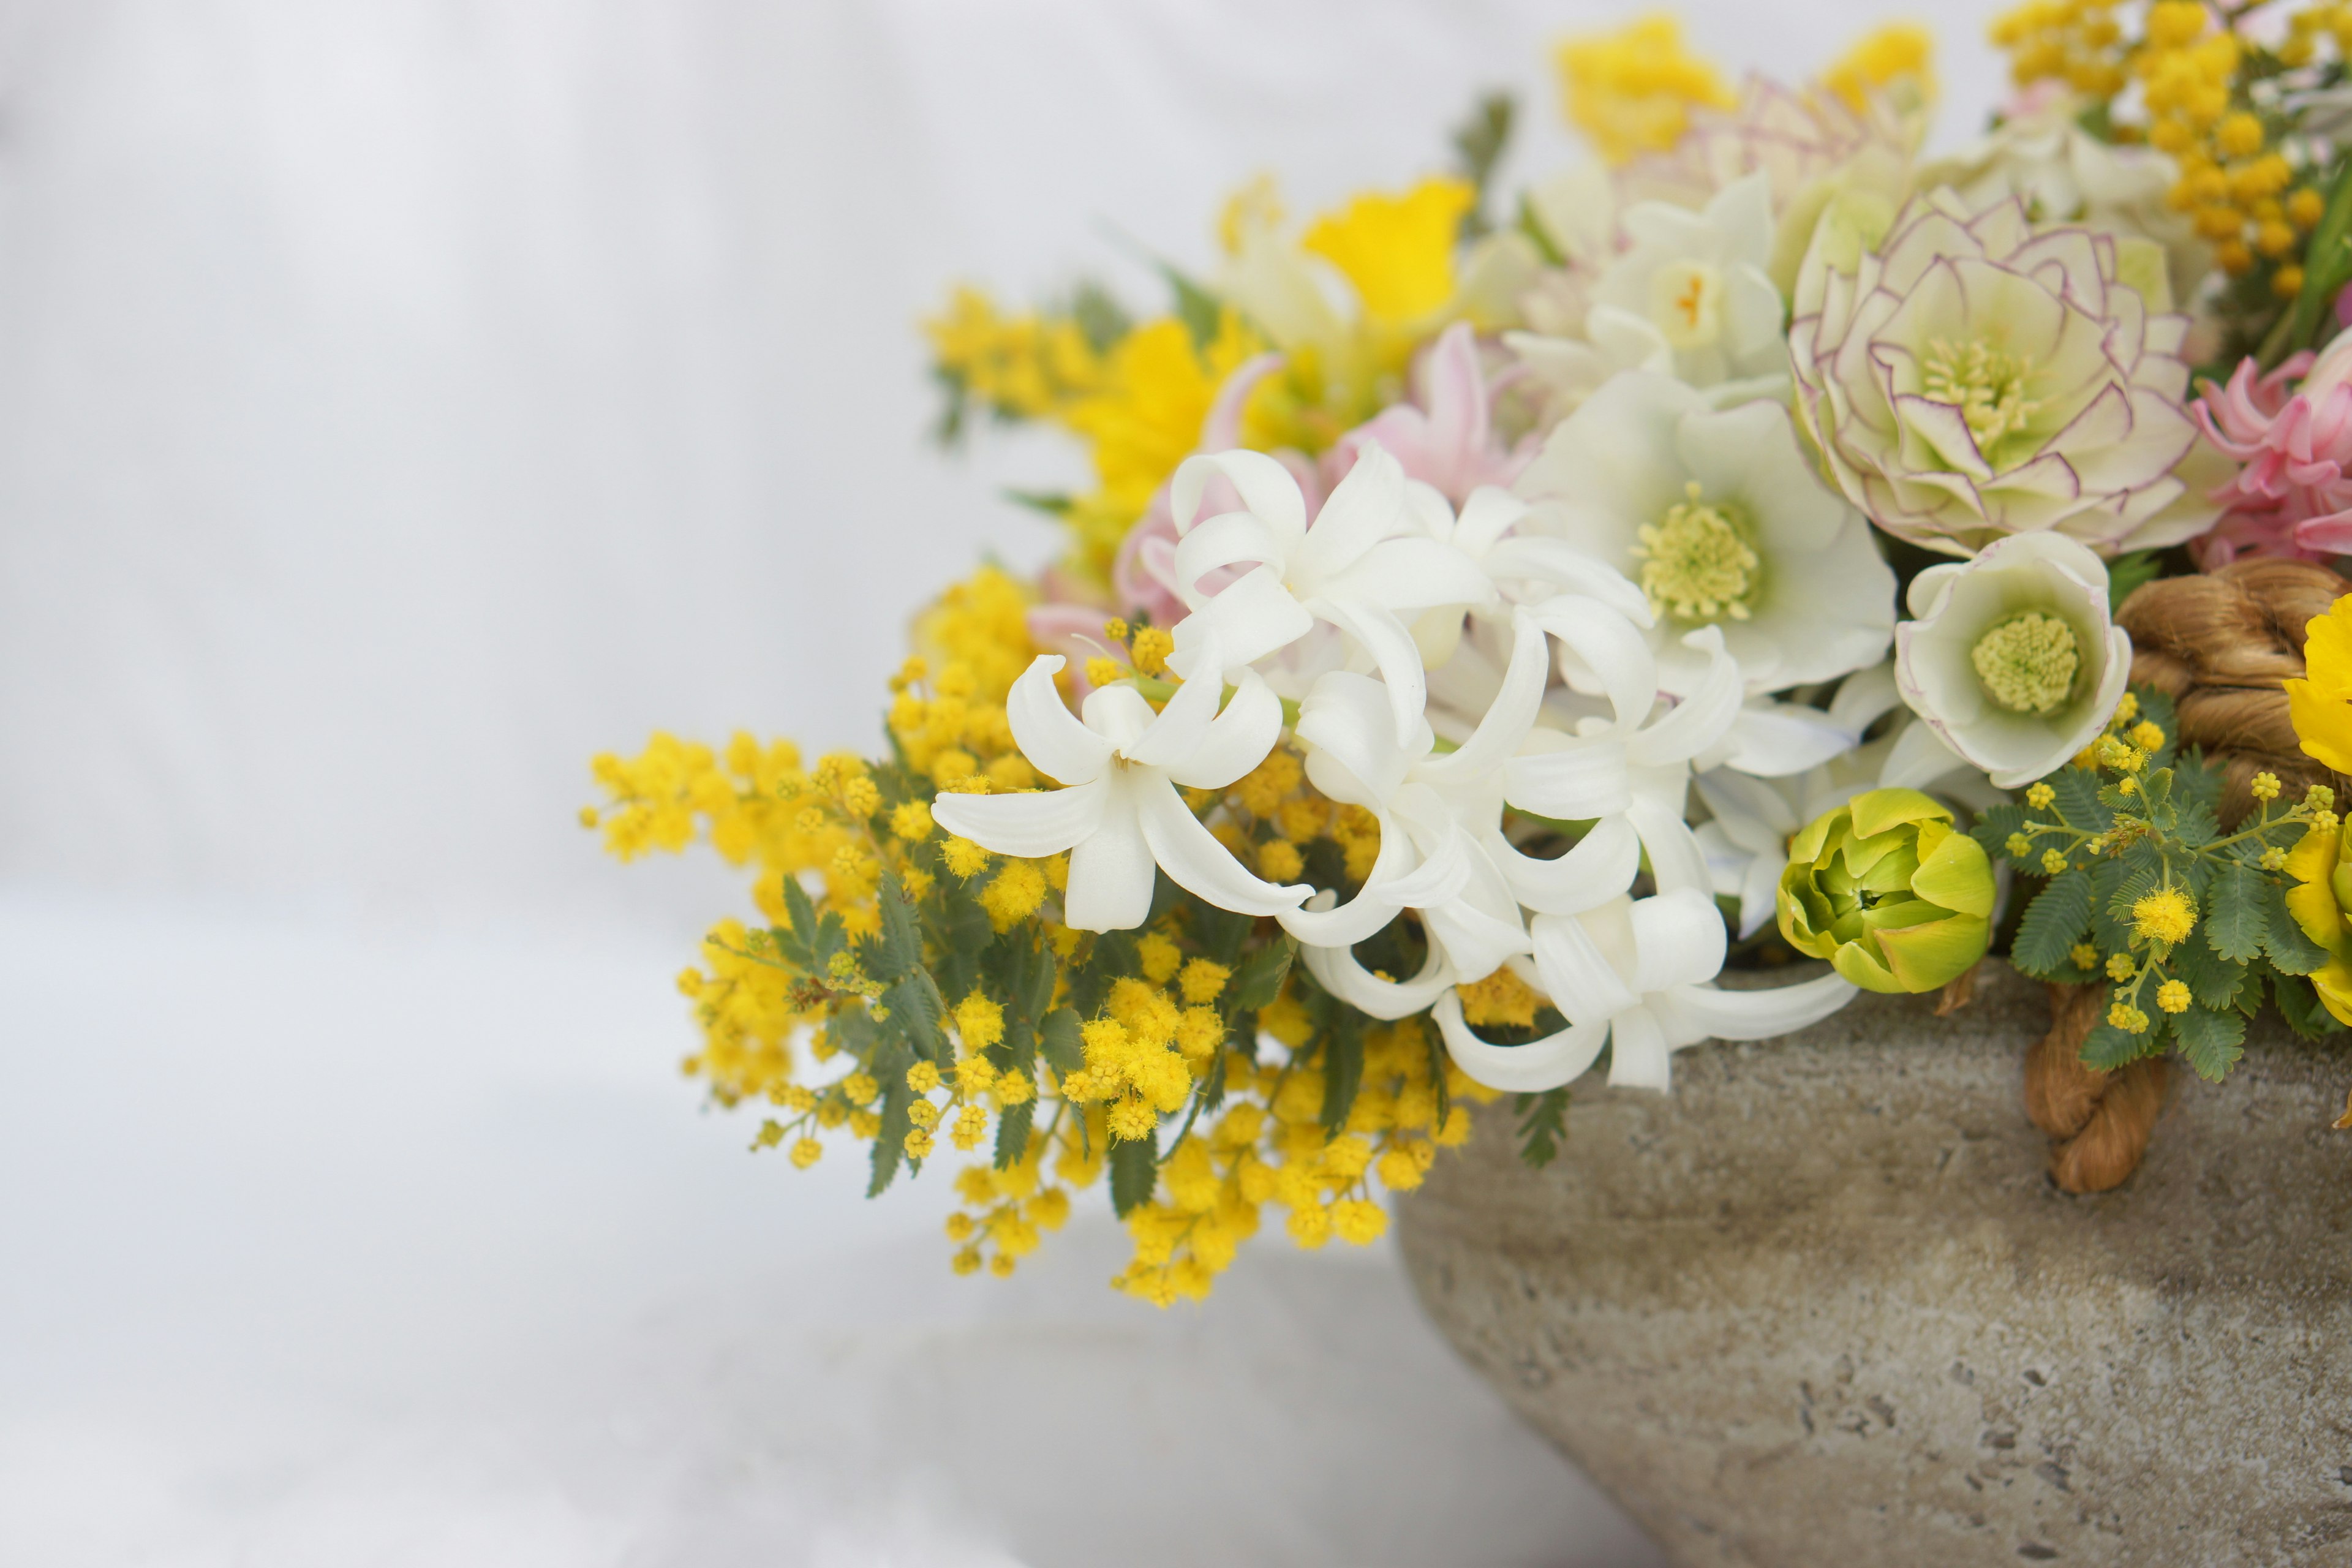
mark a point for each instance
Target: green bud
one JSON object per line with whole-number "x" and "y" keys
{"x": 1888, "y": 892}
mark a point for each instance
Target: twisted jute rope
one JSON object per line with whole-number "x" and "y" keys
{"x": 2219, "y": 645}
{"x": 2099, "y": 1123}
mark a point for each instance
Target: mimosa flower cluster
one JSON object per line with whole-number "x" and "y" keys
{"x": 1491, "y": 618}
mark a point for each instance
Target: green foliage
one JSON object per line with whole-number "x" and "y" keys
{"x": 1543, "y": 1125}
{"x": 1134, "y": 1171}
{"x": 1343, "y": 1067}
{"x": 2053, "y": 923}
{"x": 2127, "y": 573}
{"x": 1478, "y": 145}
{"x": 2189, "y": 923}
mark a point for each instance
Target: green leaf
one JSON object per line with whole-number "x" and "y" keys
{"x": 2107, "y": 1047}
{"x": 2283, "y": 939}
{"x": 1134, "y": 1168}
{"x": 1059, "y": 1043}
{"x": 2213, "y": 980}
{"x": 1343, "y": 1068}
{"x": 890, "y": 1144}
{"x": 1543, "y": 1125}
{"x": 1992, "y": 829}
{"x": 1260, "y": 980}
{"x": 1478, "y": 143}
{"x": 799, "y": 943}
{"x": 1198, "y": 308}
{"x": 2211, "y": 1042}
{"x": 2054, "y": 922}
{"x": 2127, "y": 572}
{"x": 1053, "y": 503}
{"x": 2326, "y": 263}
{"x": 916, "y": 1011}
{"x": 897, "y": 947}
{"x": 2235, "y": 921}
{"x": 2300, "y": 1005}
{"x": 1012, "y": 1133}
{"x": 2077, "y": 801}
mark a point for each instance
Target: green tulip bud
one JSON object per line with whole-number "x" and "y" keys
{"x": 1888, "y": 892}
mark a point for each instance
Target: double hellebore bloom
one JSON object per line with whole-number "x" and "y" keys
{"x": 2012, "y": 661}
{"x": 1974, "y": 377}
{"x": 1119, "y": 813}
{"x": 1889, "y": 892}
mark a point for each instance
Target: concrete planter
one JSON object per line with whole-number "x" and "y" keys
{"x": 1821, "y": 1305}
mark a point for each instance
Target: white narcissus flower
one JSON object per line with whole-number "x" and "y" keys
{"x": 1974, "y": 377}
{"x": 1118, "y": 813}
{"x": 2012, "y": 659}
{"x": 1365, "y": 559}
{"x": 1720, "y": 520}
{"x": 1633, "y": 975}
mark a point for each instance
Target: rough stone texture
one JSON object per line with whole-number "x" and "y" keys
{"x": 1821, "y": 1305}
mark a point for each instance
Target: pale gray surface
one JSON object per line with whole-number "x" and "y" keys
{"x": 400, "y": 400}
{"x": 326, "y": 1246}
{"x": 1823, "y": 1306}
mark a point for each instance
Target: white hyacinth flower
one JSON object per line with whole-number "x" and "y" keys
{"x": 1365, "y": 564}
{"x": 1633, "y": 975}
{"x": 2012, "y": 659}
{"x": 1721, "y": 520}
{"x": 1118, "y": 813}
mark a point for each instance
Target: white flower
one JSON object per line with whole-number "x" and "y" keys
{"x": 1365, "y": 559}
{"x": 1120, "y": 813}
{"x": 2043, "y": 157}
{"x": 2012, "y": 661}
{"x": 1719, "y": 518}
{"x": 1976, "y": 376}
{"x": 1633, "y": 975}
{"x": 1443, "y": 851}
{"x": 1689, "y": 298}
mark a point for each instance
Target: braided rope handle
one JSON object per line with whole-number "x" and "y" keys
{"x": 2099, "y": 1123}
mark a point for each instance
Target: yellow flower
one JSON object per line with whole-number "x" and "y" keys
{"x": 1899, "y": 51}
{"x": 2172, "y": 997}
{"x": 1398, "y": 251}
{"x": 1632, "y": 90}
{"x": 2165, "y": 915}
{"x": 2321, "y": 703}
{"x": 2083, "y": 955}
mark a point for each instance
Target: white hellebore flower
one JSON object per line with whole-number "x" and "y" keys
{"x": 1633, "y": 975}
{"x": 1691, "y": 296}
{"x": 1719, "y": 518}
{"x": 1976, "y": 376}
{"x": 2012, "y": 661}
{"x": 1367, "y": 558}
{"x": 1120, "y": 813}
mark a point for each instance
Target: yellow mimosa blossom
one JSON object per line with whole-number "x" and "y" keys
{"x": 1029, "y": 365}
{"x": 1898, "y": 52}
{"x": 1632, "y": 90}
{"x": 2320, "y": 704}
{"x": 1398, "y": 251}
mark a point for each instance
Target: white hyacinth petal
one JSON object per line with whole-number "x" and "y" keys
{"x": 1054, "y": 740}
{"x": 1529, "y": 1069}
{"x": 1027, "y": 825}
{"x": 1196, "y": 862}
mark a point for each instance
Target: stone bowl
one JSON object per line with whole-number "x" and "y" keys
{"x": 1821, "y": 1304}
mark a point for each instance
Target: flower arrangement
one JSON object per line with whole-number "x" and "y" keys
{"x": 1487, "y": 627}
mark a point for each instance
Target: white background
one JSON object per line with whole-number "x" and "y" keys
{"x": 400, "y": 400}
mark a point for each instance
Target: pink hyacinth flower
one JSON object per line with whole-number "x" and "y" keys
{"x": 2292, "y": 496}
{"x": 1447, "y": 438}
